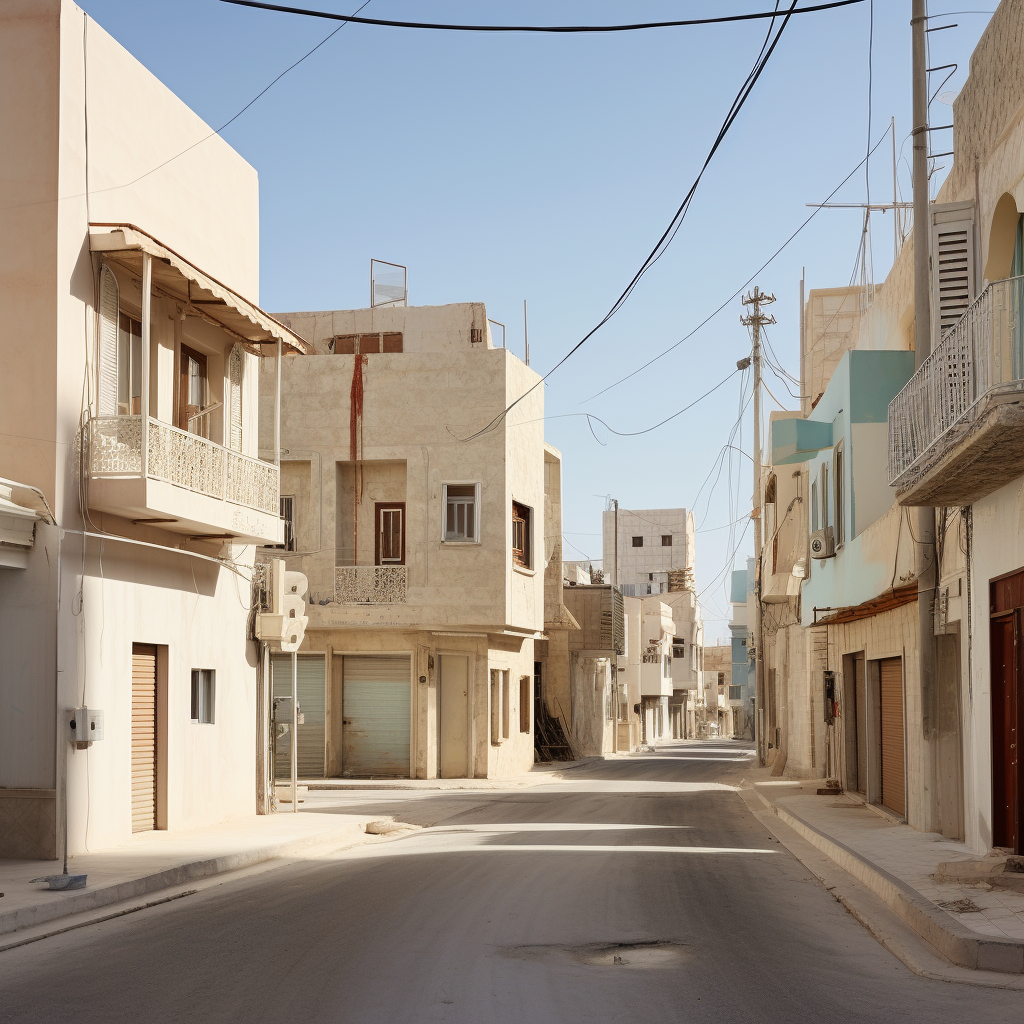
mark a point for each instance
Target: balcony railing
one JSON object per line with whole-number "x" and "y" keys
{"x": 181, "y": 458}
{"x": 370, "y": 584}
{"x": 980, "y": 357}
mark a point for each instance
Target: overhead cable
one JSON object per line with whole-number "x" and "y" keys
{"x": 739, "y": 291}
{"x": 563, "y": 29}
{"x": 767, "y": 49}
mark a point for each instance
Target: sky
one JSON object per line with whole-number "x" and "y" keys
{"x": 507, "y": 167}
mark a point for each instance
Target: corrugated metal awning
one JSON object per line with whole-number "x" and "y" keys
{"x": 205, "y": 295}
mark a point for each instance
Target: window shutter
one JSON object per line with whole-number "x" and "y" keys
{"x": 235, "y": 363}
{"x": 952, "y": 258}
{"x": 107, "y": 343}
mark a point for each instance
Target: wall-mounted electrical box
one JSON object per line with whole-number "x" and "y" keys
{"x": 83, "y": 726}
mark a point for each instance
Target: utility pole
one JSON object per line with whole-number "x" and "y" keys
{"x": 924, "y": 517}
{"x": 756, "y": 321}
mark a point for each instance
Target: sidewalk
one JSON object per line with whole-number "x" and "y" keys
{"x": 156, "y": 860}
{"x": 974, "y": 923}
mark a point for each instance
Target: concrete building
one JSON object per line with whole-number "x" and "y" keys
{"x": 134, "y": 487}
{"x": 429, "y": 527}
{"x": 742, "y": 692}
{"x": 718, "y": 662}
{"x": 651, "y": 545}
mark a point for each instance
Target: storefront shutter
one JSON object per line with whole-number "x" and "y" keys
{"x": 313, "y": 705}
{"x": 144, "y": 752}
{"x": 376, "y": 702}
{"x": 893, "y": 781}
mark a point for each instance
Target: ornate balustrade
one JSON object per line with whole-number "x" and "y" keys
{"x": 184, "y": 459}
{"x": 370, "y": 584}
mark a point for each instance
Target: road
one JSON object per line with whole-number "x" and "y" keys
{"x": 637, "y": 889}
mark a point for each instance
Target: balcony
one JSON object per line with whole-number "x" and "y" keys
{"x": 188, "y": 484}
{"x": 956, "y": 430}
{"x": 370, "y": 584}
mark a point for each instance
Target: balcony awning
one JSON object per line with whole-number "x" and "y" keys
{"x": 796, "y": 440}
{"x": 175, "y": 276}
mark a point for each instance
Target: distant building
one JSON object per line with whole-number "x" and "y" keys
{"x": 655, "y": 547}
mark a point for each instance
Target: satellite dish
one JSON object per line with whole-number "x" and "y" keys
{"x": 947, "y": 98}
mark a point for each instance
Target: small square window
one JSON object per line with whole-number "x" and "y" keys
{"x": 666, "y": 540}
{"x": 204, "y": 695}
{"x": 638, "y": 542}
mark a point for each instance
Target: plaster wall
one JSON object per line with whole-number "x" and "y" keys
{"x": 636, "y": 564}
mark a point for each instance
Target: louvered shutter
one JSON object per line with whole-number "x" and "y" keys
{"x": 952, "y": 259}
{"x": 235, "y": 364}
{"x": 107, "y": 343}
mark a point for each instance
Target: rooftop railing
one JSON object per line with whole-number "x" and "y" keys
{"x": 980, "y": 356}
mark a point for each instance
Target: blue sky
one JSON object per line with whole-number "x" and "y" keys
{"x": 513, "y": 166}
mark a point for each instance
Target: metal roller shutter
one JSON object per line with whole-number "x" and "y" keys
{"x": 143, "y": 737}
{"x": 377, "y": 704}
{"x": 893, "y": 783}
{"x": 861, "y": 709}
{"x": 313, "y": 704}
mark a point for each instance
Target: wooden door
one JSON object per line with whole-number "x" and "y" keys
{"x": 1006, "y": 795}
{"x": 894, "y": 791}
{"x": 144, "y": 746}
{"x": 389, "y": 546}
{"x": 454, "y": 731}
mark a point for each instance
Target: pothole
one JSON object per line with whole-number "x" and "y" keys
{"x": 653, "y": 953}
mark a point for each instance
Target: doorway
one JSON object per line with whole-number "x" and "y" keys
{"x": 894, "y": 789}
{"x": 145, "y": 752}
{"x": 453, "y": 734}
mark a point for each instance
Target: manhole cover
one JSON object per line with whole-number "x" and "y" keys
{"x": 653, "y": 953}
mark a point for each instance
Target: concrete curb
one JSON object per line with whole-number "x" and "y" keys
{"x": 80, "y": 901}
{"x": 953, "y": 940}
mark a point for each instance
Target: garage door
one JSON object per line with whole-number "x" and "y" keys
{"x": 144, "y": 751}
{"x": 893, "y": 785}
{"x": 313, "y": 705}
{"x": 375, "y": 729}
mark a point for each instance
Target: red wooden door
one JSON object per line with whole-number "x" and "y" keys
{"x": 1005, "y": 731}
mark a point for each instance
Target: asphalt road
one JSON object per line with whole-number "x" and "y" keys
{"x": 637, "y": 890}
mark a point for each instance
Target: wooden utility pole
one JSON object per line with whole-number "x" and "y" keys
{"x": 924, "y": 517}
{"x": 756, "y": 321}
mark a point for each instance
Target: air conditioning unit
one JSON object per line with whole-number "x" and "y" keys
{"x": 284, "y": 626}
{"x": 823, "y": 543}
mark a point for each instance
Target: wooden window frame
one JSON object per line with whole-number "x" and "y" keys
{"x": 522, "y": 557}
{"x": 666, "y": 540}
{"x": 129, "y": 360}
{"x": 640, "y": 539}
{"x": 181, "y": 412}
{"x": 378, "y": 508}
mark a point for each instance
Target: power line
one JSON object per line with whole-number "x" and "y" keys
{"x": 635, "y": 27}
{"x": 735, "y": 294}
{"x": 767, "y": 49}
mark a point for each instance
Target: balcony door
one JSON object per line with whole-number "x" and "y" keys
{"x": 390, "y": 540}
{"x": 193, "y": 393}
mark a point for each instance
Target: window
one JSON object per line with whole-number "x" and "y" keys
{"x": 288, "y": 515}
{"x": 361, "y": 344}
{"x": 525, "y": 700}
{"x": 460, "y": 512}
{"x": 204, "y": 689}
{"x": 666, "y": 540}
{"x": 193, "y": 393}
{"x": 499, "y": 701}
{"x": 826, "y": 497}
{"x": 735, "y": 692}
{"x": 390, "y": 540}
{"x": 678, "y": 647}
{"x": 521, "y": 535}
{"x": 129, "y": 366}
{"x": 638, "y": 542}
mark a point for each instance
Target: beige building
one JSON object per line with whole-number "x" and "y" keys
{"x": 428, "y": 524}
{"x": 133, "y": 490}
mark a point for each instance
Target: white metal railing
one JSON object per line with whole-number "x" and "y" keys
{"x": 980, "y": 356}
{"x": 370, "y": 584}
{"x": 181, "y": 458}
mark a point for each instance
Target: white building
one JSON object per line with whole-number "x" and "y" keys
{"x": 132, "y": 342}
{"x": 651, "y": 544}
